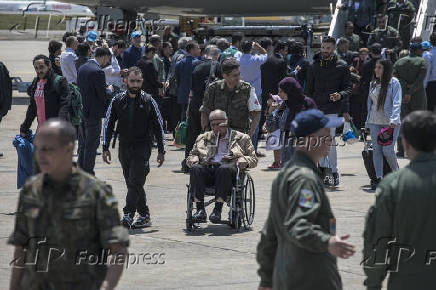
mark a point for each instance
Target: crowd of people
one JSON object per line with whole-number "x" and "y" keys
{"x": 260, "y": 84}
{"x": 232, "y": 94}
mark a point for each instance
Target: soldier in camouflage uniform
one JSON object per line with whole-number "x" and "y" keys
{"x": 299, "y": 236}
{"x": 386, "y": 35}
{"x": 67, "y": 222}
{"x": 399, "y": 235}
{"x": 233, "y": 96}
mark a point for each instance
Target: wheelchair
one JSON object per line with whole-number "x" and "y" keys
{"x": 241, "y": 202}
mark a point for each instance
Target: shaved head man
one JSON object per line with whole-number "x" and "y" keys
{"x": 54, "y": 145}
{"x": 75, "y": 213}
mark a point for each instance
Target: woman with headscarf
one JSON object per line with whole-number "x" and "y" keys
{"x": 294, "y": 101}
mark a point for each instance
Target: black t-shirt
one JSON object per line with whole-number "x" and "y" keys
{"x": 199, "y": 77}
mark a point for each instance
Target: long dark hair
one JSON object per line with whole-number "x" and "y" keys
{"x": 384, "y": 81}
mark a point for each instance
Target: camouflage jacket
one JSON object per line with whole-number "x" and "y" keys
{"x": 233, "y": 102}
{"x": 240, "y": 145}
{"x": 64, "y": 228}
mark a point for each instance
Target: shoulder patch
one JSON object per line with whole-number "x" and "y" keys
{"x": 307, "y": 198}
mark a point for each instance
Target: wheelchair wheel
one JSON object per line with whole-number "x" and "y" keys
{"x": 248, "y": 202}
{"x": 189, "y": 206}
{"x": 234, "y": 212}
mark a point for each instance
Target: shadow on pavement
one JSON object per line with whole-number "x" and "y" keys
{"x": 214, "y": 230}
{"x": 141, "y": 231}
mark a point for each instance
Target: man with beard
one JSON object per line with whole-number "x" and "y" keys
{"x": 138, "y": 119}
{"x": 46, "y": 100}
{"x": 329, "y": 85}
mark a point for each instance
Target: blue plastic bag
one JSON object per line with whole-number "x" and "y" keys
{"x": 24, "y": 147}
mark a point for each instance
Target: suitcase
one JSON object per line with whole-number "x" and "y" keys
{"x": 367, "y": 158}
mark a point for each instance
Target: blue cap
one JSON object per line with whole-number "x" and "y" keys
{"x": 415, "y": 45}
{"x": 310, "y": 121}
{"x": 426, "y": 45}
{"x": 135, "y": 34}
{"x": 92, "y": 36}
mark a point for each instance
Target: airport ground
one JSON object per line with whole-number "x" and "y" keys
{"x": 215, "y": 256}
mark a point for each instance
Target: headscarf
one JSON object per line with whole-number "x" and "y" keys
{"x": 296, "y": 101}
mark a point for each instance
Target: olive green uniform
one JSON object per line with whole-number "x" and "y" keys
{"x": 411, "y": 71}
{"x": 388, "y": 38}
{"x": 64, "y": 228}
{"x": 404, "y": 211}
{"x": 354, "y": 40}
{"x": 233, "y": 102}
{"x": 292, "y": 252}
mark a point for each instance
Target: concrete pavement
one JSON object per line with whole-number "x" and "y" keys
{"x": 214, "y": 257}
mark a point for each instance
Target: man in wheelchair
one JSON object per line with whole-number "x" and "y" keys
{"x": 214, "y": 161}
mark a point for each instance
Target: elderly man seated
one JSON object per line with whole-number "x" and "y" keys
{"x": 213, "y": 162}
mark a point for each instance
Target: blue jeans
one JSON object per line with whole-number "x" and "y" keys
{"x": 91, "y": 130}
{"x": 379, "y": 151}
{"x": 255, "y": 138}
{"x": 288, "y": 149}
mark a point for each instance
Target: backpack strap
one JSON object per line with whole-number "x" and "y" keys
{"x": 212, "y": 71}
{"x": 56, "y": 83}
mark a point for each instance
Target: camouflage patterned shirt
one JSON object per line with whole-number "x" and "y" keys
{"x": 66, "y": 229}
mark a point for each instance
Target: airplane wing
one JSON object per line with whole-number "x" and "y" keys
{"x": 213, "y": 7}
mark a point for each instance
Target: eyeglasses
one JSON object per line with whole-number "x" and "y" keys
{"x": 213, "y": 124}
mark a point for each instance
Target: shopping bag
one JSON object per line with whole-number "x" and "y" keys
{"x": 181, "y": 133}
{"x": 348, "y": 135}
{"x": 273, "y": 141}
{"x": 356, "y": 132}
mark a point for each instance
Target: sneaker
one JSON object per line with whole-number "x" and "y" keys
{"x": 275, "y": 165}
{"x": 127, "y": 221}
{"x": 260, "y": 154}
{"x": 328, "y": 180}
{"x": 374, "y": 183}
{"x": 215, "y": 216}
{"x": 185, "y": 168}
{"x": 142, "y": 222}
{"x": 336, "y": 179}
{"x": 200, "y": 216}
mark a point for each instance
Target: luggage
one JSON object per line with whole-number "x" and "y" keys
{"x": 367, "y": 159}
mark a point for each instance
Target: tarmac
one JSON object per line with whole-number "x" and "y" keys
{"x": 214, "y": 256}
